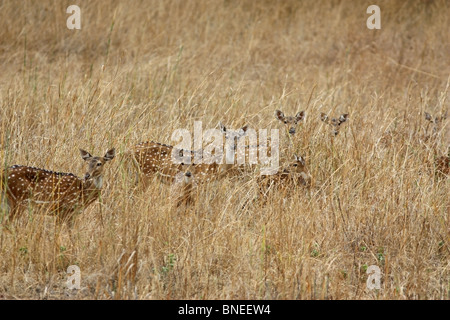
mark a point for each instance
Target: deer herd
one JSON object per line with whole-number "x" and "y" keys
{"x": 64, "y": 194}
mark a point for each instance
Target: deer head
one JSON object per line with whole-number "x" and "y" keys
{"x": 95, "y": 165}
{"x": 335, "y": 123}
{"x": 290, "y": 122}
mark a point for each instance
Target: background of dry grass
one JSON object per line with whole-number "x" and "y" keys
{"x": 137, "y": 70}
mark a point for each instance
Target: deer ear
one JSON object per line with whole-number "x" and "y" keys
{"x": 85, "y": 155}
{"x": 244, "y": 129}
{"x": 343, "y": 118}
{"x": 323, "y": 117}
{"x": 279, "y": 115}
{"x": 300, "y": 159}
{"x": 222, "y": 127}
{"x": 300, "y": 116}
{"x": 110, "y": 154}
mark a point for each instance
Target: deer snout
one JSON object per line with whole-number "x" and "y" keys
{"x": 292, "y": 130}
{"x": 87, "y": 176}
{"x": 188, "y": 177}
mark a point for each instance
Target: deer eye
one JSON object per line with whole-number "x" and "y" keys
{"x": 295, "y": 164}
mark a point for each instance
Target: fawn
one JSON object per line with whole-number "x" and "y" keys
{"x": 62, "y": 193}
{"x": 232, "y": 167}
{"x": 290, "y": 122}
{"x": 294, "y": 174}
{"x": 155, "y": 159}
{"x": 335, "y": 123}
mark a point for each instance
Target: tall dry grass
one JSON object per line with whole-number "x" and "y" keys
{"x": 138, "y": 70}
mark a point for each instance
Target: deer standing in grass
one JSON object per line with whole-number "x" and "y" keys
{"x": 232, "y": 167}
{"x": 153, "y": 159}
{"x": 61, "y": 193}
{"x": 293, "y": 174}
{"x": 156, "y": 159}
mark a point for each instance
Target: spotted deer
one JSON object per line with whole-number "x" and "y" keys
{"x": 293, "y": 174}
{"x": 61, "y": 193}
{"x": 442, "y": 165}
{"x": 290, "y": 122}
{"x": 335, "y": 123}
{"x": 244, "y": 158}
{"x": 441, "y": 162}
{"x": 232, "y": 167}
{"x": 152, "y": 159}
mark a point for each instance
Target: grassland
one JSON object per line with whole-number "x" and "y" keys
{"x": 138, "y": 70}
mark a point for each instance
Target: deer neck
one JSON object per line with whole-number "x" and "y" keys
{"x": 90, "y": 191}
{"x": 230, "y": 152}
{"x": 92, "y": 185}
{"x": 229, "y": 158}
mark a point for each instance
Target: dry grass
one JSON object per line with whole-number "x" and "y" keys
{"x": 137, "y": 70}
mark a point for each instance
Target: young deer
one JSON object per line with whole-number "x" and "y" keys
{"x": 290, "y": 122}
{"x": 335, "y": 123}
{"x": 232, "y": 137}
{"x": 155, "y": 159}
{"x": 62, "y": 193}
{"x": 294, "y": 174}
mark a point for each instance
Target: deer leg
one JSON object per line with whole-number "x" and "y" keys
{"x": 14, "y": 209}
{"x": 66, "y": 218}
